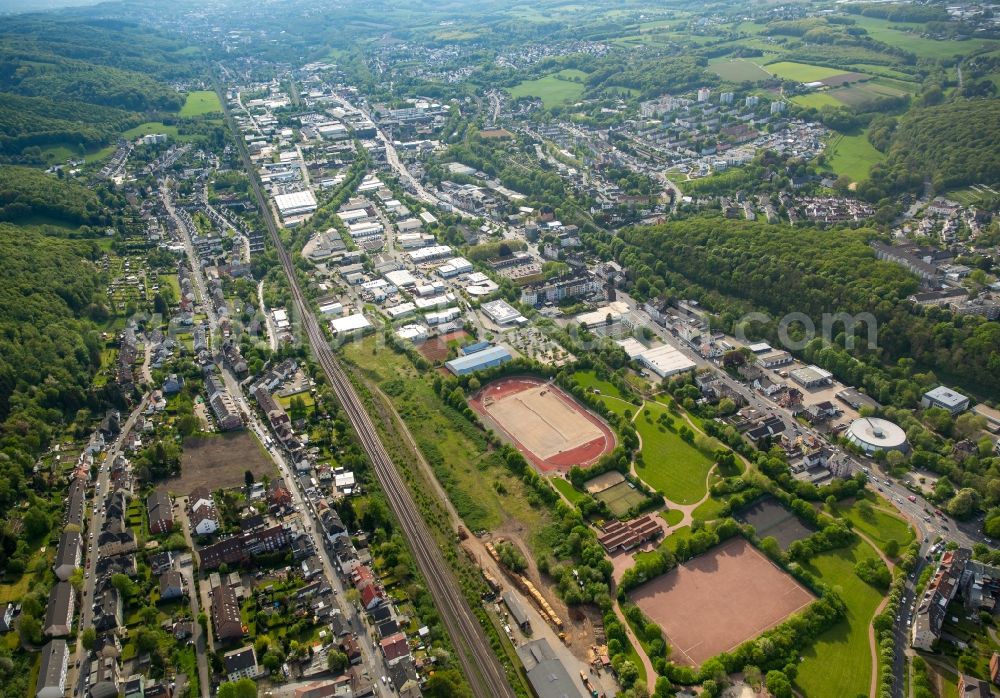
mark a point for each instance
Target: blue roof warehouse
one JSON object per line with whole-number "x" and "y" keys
{"x": 487, "y": 358}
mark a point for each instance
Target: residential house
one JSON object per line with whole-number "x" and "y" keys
{"x": 59, "y": 611}
{"x": 394, "y": 646}
{"x": 160, "y": 511}
{"x": 52, "y": 674}
{"x": 76, "y": 506}
{"x": 171, "y": 585}
{"x": 109, "y": 610}
{"x": 932, "y": 608}
{"x": 971, "y": 687}
{"x": 241, "y": 664}
{"x": 105, "y": 678}
{"x": 203, "y": 517}
{"x": 68, "y": 555}
{"x": 160, "y": 562}
{"x": 225, "y": 612}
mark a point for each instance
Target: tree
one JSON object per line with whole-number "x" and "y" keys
{"x": 446, "y": 683}
{"x": 125, "y": 586}
{"x": 29, "y": 629}
{"x": 892, "y": 548}
{"x": 778, "y": 684}
{"x": 244, "y": 688}
{"x": 336, "y": 661}
{"x": 248, "y": 478}
{"x": 968, "y": 424}
{"x": 88, "y": 637}
{"x": 36, "y": 522}
{"x": 271, "y": 661}
{"x": 964, "y": 503}
{"x": 628, "y": 672}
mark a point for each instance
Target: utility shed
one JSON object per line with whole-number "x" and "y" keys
{"x": 517, "y": 612}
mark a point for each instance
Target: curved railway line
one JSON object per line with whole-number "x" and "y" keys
{"x": 483, "y": 671}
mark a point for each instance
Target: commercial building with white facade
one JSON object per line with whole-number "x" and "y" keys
{"x": 295, "y": 204}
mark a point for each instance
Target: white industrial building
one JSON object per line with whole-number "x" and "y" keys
{"x": 400, "y": 278}
{"x": 354, "y": 215}
{"x": 632, "y": 346}
{"x": 332, "y": 308}
{"x": 503, "y": 313}
{"x": 665, "y": 361}
{"x": 439, "y": 317}
{"x": 435, "y": 302}
{"x": 413, "y": 333}
{"x": 428, "y": 254}
{"x": 365, "y": 229}
{"x": 454, "y": 267}
{"x": 400, "y": 311}
{"x": 350, "y": 323}
{"x": 945, "y": 398}
{"x": 295, "y": 204}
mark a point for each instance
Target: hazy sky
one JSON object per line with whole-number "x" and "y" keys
{"x": 7, "y": 6}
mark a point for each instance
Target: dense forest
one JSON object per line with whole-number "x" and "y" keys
{"x": 745, "y": 266}
{"x": 26, "y": 192}
{"x": 79, "y": 83}
{"x": 951, "y": 144}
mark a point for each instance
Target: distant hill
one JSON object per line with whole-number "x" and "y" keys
{"x": 72, "y": 83}
{"x": 18, "y": 6}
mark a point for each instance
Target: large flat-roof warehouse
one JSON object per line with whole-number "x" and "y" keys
{"x": 487, "y": 358}
{"x": 295, "y": 204}
{"x": 665, "y": 361}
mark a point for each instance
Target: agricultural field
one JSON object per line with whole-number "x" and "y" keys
{"x": 802, "y": 72}
{"x": 845, "y": 645}
{"x": 889, "y": 32}
{"x": 863, "y": 93}
{"x": 852, "y": 155}
{"x": 817, "y": 100}
{"x": 201, "y": 102}
{"x": 553, "y": 90}
{"x": 669, "y": 464}
{"x": 739, "y": 70}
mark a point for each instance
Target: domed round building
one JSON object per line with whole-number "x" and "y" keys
{"x": 872, "y": 434}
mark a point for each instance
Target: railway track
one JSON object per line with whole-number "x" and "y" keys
{"x": 485, "y": 674}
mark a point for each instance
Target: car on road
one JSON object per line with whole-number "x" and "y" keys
{"x": 912, "y": 499}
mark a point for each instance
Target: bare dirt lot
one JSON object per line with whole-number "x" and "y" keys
{"x": 220, "y": 461}
{"x": 435, "y": 349}
{"x": 720, "y": 599}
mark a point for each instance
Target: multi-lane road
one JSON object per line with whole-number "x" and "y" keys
{"x": 928, "y": 524}
{"x": 481, "y": 667}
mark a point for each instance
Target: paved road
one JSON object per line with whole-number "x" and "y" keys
{"x": 77, "y": 676}
{"x": 371, "y": 660}
{"x": 486, "y": 676}
{"x": 202, "y": 638}
{"x": 929, "y": 526}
